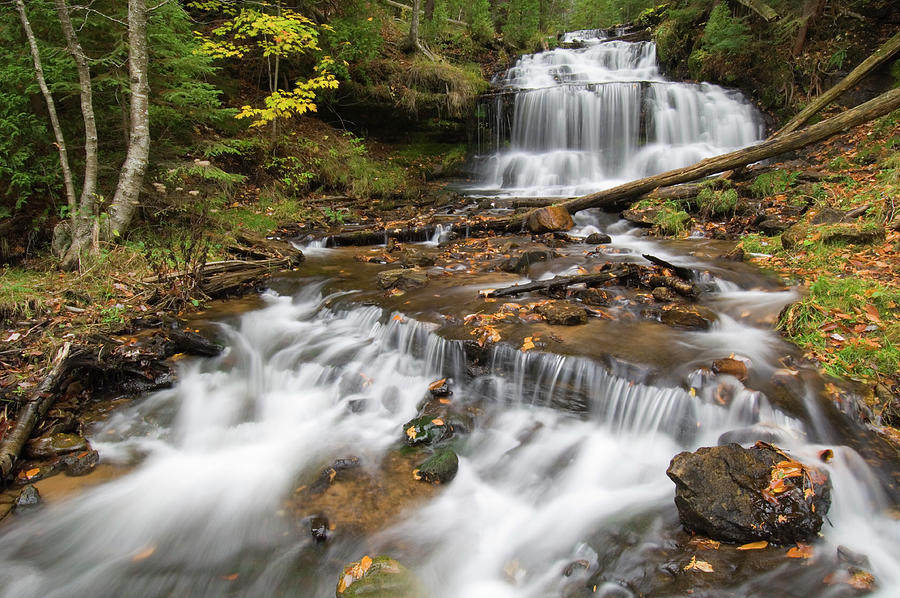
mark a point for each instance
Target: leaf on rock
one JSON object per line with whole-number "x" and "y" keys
{"x": 753, "y": 545}
{"x": 437, "y": 421}
{"x": 696, "y": 565}
{"x": 437, "y": 384}
{"x": 411, "y": 432}
{"x": 527, "y": 344}
{"x": 800, "y": 551}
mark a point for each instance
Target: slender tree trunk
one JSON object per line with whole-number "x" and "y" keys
{"x": 86, "y": 209}
{"x": 131, "y": 177}
{"x": 429, "y": 9}
{"x": 51, "y": 109}
{"x": 811, "y": 10}
{"x": 412, "y": 40}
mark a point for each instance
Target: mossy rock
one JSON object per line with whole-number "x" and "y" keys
{"x": 426, "y": 430}
{"x": 842, "y": 232}
{"x": 440, "y": 468}
{"x": 381, "y": 577}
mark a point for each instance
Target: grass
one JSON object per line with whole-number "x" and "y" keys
{"x": 712, "y": 202}
{"x": 672, "y": 220}
{"x": 849, "y": 325}
{"x": 773, "y": 183}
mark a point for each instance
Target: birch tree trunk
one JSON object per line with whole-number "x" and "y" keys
{"x": 131, "y": 177}
{"x": 51, "y": 109}
{"x": 81, "y": 221}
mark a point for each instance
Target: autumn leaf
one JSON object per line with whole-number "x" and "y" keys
{"x": 753, "y": 545}
{"x": 862, "y": 580}
{"x": 231, "y": 577}
{"x": 437, "y": 384}
{"x": 32, "y": 472}
{"x": 800, "y": 551}
{"x": 144, "y": 554}
{"x": 527, "y": 344}
{"x": 437, "y": 421}
{"x": 411, "y": 432}
{"x": 696, "y": 565}
{"x": 872, "y": 313}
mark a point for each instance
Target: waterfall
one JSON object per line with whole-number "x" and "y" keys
{"x": 575, "y": 120}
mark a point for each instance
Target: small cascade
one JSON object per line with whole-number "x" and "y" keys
{"x": 574, "y": 120}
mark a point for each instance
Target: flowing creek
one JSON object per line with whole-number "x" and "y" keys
{"x": 561, "y": 489}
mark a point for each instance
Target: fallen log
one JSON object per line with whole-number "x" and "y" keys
{"x": 31, "y": 413}
{"x": 622, "y": 195}
{"x": 560, "y": 282}
{"x": 685, "y": 273}
{"x": 888, "y": 49}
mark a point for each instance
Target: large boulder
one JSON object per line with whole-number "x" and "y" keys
{"x": 54, "y": 445}
{"x": 426, "y": 429}
{"x": 381, "y": 577}
{"x": 734, "y": 494}
{"x": 550, "y": 219}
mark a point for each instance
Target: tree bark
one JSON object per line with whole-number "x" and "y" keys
{"x": 560, "y": 282}
{"x": 412, "y": 40}
{"x": 131, "y": 177}
{"x": 429, "y": 9}
{"x": 51, "y": 109}
{"x": 811, "y": 10}
{"x": 81, "y": 220}
{"x": 30, "y": 414}
{"x": 889, "y": 48}
{"x": 623, "y": 194}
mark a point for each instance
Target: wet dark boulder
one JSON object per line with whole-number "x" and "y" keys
{"x": 426, "y": 430}
{"x": 740, "y": 495}
{"x": 520, "y": 264}
{"x": 732, "y": 367}
{"x": 440, "y": 468}
{"x": 598, "y": 239}
{"x": 564, "y": 313}
{"x": 28, "y": 499}
{"x": 381, "y": 577}
{"x": 402, "y": 278}
{"x": 79, "y": 464}
{"x": 664, "y": 294}
{"x": 414, "y": 257}
{"x": 549, "y": 219}
{"x": 54, "y": 445}
{"x": 591, "y": 296}
{"x": 318, "y": 528}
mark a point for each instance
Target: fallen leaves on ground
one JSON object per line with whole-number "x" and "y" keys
{"x": 754, "y": 545}
{"x": 696, "y": 565}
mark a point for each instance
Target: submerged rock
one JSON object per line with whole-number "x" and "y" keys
{"x": 520, "y": 264}
{"x": 563, "y": 313}
{"x": 592, "y": 296}
{"x": 381, "y": 577}
{"x": 440, "y": 468}
{"x": 402, "y": 278}
{"x": 426, "y": 430}
{"x": 732, "y": 367}
{"x": 734, "y": 494}
{"x": 682, "y": 315}
{"x": 550, "y": 219}
{"x": 54, "y": 445}
{"x": 664, "y": 294}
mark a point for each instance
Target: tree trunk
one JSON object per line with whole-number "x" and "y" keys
{"x": 623, "y": 194}
{"x": 412, "y": 40}
{"x": 82, "y": 224}
{"x": 31, "y": 413}
{"x": 889, "y": 48}
{"x": 429, "y": 9}
{"x": 131, "y": 177}
{"x": 811, "y": 10}
{"x": 51, "y": 109}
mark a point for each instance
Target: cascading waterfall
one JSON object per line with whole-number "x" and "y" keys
{"x": 563, "y": 455}
{"x": 571, "y": 121}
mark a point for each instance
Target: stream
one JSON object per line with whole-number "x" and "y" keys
{"x": 561, "y": 489}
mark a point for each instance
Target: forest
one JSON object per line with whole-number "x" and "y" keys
{"x": 498, "y": 244}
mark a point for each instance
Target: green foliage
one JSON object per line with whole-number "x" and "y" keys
{"x": 352, "y": 38}
{"x": 717, "y": 202}
{"x": 480, "y": 25}
{"x": 203, "y": 172}
{"x": 671, "y": 219}
{"x": 773, "y": 183}
{"x": 760, "y": 244}
{"x": 284, "y": 34}
{"x": 522, "y": 21}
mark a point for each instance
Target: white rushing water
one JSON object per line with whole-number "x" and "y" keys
{"x": 565, "y": 458}
{"x": 571, "y": 121}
